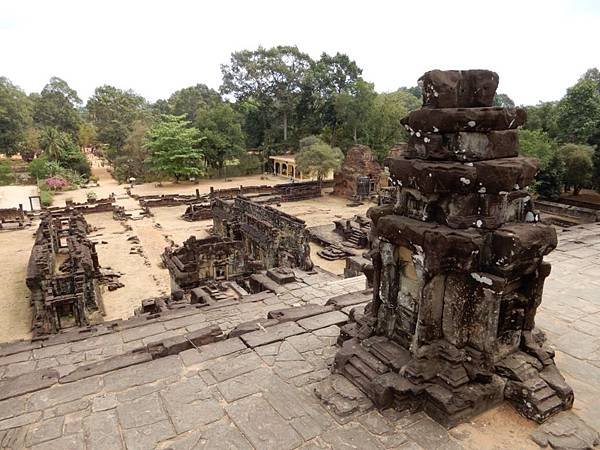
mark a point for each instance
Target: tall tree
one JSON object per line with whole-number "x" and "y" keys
{"x": 86, "y": 135}
{"x": 270, "y": 77}
{"x": 54, "y": 143}
{"x": 327, "y": 78}
{"x": 578, "y": 114}
{"x": 382, "y": 128}
{"x": 189, "y": 100}
{"x": 353, "y": 107}
{"x": 56, "y": 107}
{"x": 173, "y": 147}
{"x": 113, "y": 111}
{"x": 222, "y": 131}
{"x": 542, "y": 117}
{"x": 131, "y": 160}
{"x": 15, "y": 117}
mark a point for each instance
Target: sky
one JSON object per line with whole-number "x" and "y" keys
{"x": 539, "y": 48}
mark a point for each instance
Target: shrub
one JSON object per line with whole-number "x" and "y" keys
{"x": 91, "y": 195}
{"x": 6, "y": 174}
{"x": 56, "y": 183}
{"x": 46, "y": 198}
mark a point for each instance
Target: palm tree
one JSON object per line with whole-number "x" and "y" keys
{"x": 53, "y": 143}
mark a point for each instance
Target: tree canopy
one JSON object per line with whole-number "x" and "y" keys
{"x": 173, "y": 148}
{"x": 317, "y": 157}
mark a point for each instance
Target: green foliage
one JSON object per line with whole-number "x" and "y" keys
{"x": 272, "y": 78}
{"x": 54, "y": 142}
{"x": 42, "y": 168}
{"x": 353, "y": 108}
{"x": 130, "y": 161}
{"x": 86, "y": 135}
{"x": 222, "y": 131}
{"x": 538, "y": 144}
{"x": 503, "y": 100}
{"x": 549, "y": 179}
{"x": 15, "y": 117}
{"x": 173, "y": 147}
{"x": 578, "y": 166}
{"x": 596, "y": 172}
{"x": 542, "y": 117}
{"x": 191, "y": 99}
{"x": 56, "y": 107}
{"x": 6, "y": 174}
{"x": 317, "y": 158}
{"x": 46, "y": 197}
{"x": 578, "y": 113}
{"x": 382, "y": 129}
{"x": 112, "y": 111}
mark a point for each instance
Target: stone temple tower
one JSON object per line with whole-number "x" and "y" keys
{"x": 457, "y": 267}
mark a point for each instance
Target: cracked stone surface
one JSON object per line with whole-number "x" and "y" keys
{"x": 230, "y": 396}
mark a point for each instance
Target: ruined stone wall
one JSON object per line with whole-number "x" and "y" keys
{"x": 273, "y": 237}
{"x": 62, "y": 273}
{"x": 198, "y": 260}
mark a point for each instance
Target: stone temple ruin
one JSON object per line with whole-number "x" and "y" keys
{"x": 62, "y": 273}
{"x": 457, "y": 267}
{"x": 251, "y": 249}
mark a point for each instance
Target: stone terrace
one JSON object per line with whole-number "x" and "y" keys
{"x": 257, "y": 390}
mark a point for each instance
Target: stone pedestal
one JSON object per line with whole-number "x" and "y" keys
{"x": 458, "y": 268}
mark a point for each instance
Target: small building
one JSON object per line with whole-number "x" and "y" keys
{"x": 285, "y": 166}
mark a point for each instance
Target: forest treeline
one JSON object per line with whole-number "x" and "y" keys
{"x": 269, "y": 100}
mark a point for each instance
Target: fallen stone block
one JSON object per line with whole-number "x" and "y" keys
{"x": 355, "y": 298}
{"x": 297, "y": 313}
{"x": 323, "y": 320}
{"x": 252, "y": 325}
{"x": 272, "y": 334}
{"x": 107, "y": 365}
{"x": 212, "y": 351}
{"x": 178, "y": 344}
{"x": 29, "y": 382}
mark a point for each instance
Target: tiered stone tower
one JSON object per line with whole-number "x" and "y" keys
{"x": 458, "y": 267}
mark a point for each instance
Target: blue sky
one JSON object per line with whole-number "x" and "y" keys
{"x": 539, "y": 48}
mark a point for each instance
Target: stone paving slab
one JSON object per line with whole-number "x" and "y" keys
{"x": 323, "y": 320}
{"x": 212, "y": 351}
{"x": 261, "y": 424}
{"x": 33, "y": 381}
{"x": 271, "y": 334}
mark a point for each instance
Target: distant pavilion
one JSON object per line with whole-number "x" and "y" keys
{"x": 285, "y": 166}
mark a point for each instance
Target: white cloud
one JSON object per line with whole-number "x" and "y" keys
{"x": 539, "y": 48}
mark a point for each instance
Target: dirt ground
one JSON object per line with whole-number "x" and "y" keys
{"x": 108, "y": 185}
{"x": 15, "y": 319}
{"x": 12, "y": 196}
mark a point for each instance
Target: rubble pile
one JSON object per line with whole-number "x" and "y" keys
{"x": 457, "y": 267}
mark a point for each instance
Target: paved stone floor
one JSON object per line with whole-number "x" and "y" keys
{"x": 229, "y": 396}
